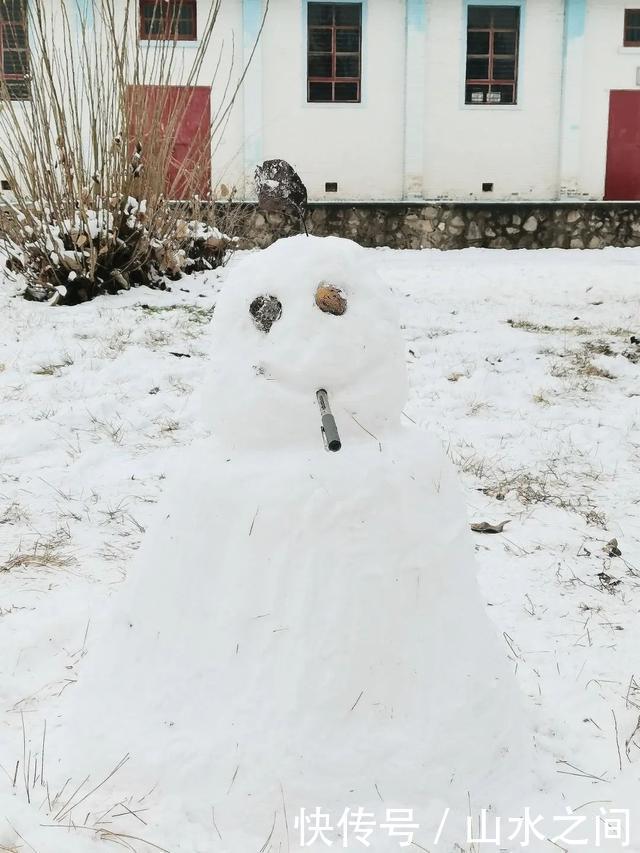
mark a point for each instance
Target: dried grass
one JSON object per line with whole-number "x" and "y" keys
{"x": 578, "y": 364}
{"x": 73, "y": 807}
{"x": 545, "y": 329}
{"x": 14, "y": 513}
{"x": 49, "y": 553}
{"x": 54, "y": 368}
{"x": 561, "y": 481}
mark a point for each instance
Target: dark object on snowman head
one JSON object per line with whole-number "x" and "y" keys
{"x": 265, "y": 310}
{"x": 280, "y": 189}
{"x": 331, "y": 299}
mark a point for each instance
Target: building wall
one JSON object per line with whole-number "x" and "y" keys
{"x": 413, "y": 137}
{"x": 364, "y": 147}
{"x": 221, "y": 70}
{"x": 513, "y": 147}
{"x": 607, "y": 65}
{"x": 358, "y": 146}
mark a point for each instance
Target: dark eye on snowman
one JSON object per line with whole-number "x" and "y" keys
{"x": 331, "y": 299}
{"x": 265, "y": 310}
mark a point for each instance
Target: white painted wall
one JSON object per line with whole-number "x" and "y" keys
{"x": 515, "y": 147}
{"x": 543, "y": 148}
{"x": 359, "y": 146}
{"x": 608, "y": 65}
{"x": 362, "y": 147}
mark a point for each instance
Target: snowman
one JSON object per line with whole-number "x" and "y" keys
{"x": 301, "y": 652}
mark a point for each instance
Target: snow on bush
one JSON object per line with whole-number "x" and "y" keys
{"x": 57, "y": 260}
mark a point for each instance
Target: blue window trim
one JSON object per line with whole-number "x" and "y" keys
{"x": 521, "y": 50}
{"x": 364, "y": 59}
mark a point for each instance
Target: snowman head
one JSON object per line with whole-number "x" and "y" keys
{"x": 306, "y": 314}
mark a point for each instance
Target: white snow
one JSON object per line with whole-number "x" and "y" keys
{"x": 526, "y": 410}
{"x": 292, "y": 610}
{"x": 258, "y": 380}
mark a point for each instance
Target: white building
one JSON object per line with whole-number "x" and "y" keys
{"x": 391, "y": 100}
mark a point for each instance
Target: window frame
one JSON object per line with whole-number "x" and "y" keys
{"x": 172, "y": 6}
{"x": 627, "y": 26}
{"x": 334, "y": 53}
{"x": 7, "y": 78}
{"x": 491, "y": 82}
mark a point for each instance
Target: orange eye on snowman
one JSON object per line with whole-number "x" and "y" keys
{"x": 331, "y": 299}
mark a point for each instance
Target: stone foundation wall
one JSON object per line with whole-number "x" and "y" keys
{"x": 458, "y": 226}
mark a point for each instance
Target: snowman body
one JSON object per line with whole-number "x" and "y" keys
{"x": 304, "y": 630}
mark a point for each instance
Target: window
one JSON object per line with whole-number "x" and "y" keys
{"x": 632, "y": 27}
{"x": 14, "y": 50}
{"x": 492, "y": 54}
{"x": 334, "y": 52}
{"x": 168, "y": 19}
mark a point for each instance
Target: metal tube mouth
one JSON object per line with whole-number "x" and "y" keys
{"x": 329, "y": 428}
{"x": 334, "y": 445}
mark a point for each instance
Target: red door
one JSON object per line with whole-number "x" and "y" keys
{"x": 173, "y": 125}
{"x": 623, "y": 147}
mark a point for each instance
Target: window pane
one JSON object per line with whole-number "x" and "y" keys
{"x": 182, "y": 19}
{"x": 320, "y": 91}
{"x": 153, "y": 27}
{"x": 504, "y": 69}
{"x": 153, "y": 9}
{"x": 476, "y": 94}
{"x": 346, "y": 91}
{"x": 17, "y": 90}
{"x": 347, "y": 66}
{"x": 347, "y": 41}
{"x": 633, "y": 17}
{"x": 184, "y": 14}
{"x": 479, "y": 16}
{"x": 185, "y": 28}
{"x": 320, "y": 13}
{"x": 478, "y": 43}
{"x": 14, "y": 62}
{"x": 12, "y": 10}
{"x": 504, "y": 43}
{"x": 348, "y": 14}
{"x": 504, "y": 93}
{"x": 633, "y": 35}
{"x": 320, "y": 65}
{"x": 507, "y": 17}
{"x": 183, "y": 25}
{"x": 14, "y": 36}
{"x": 320, "y": 40}
{"x": 152, "y": 19}
{"x": 477, "y": 69}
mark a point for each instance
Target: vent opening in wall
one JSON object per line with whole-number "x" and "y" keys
{"x": 5, "y": 185}
{"x": 331, "y": 187}
{"x": 487, "y": 187}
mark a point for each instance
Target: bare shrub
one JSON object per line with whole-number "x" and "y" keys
{"x": 90, "y": 156}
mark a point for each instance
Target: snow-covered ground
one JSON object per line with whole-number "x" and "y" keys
{"x": 520, "y": 361}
